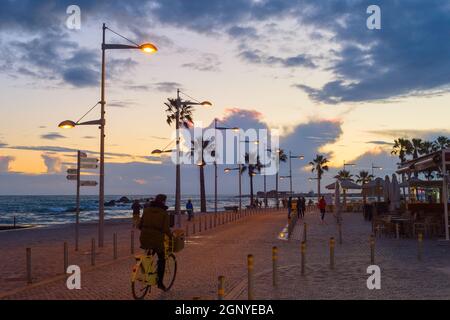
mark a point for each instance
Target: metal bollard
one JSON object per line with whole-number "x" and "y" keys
{"x": 215, "y": 220}
{"x": 397, "y": 231}
{"x": 132, "y": 242}
{"x": 200, "y": 224}
{"x": 250, "y": 265}
{"x": 206, "y": 222}
{"x": 210, "y": 221}
{"x": 420, "y": 247}
{"x": 187, "y": 229}
{"x": 66, "y": 257}
{"x": 274, "y": 266}
{"x": 372, "y": 249}
{"x": 340, "y": 232}
{"x": 93, "y": 252}
{"x": 305, "y": 230}
{"x": 332, "y": 244}
{"x": 221, "y": 288}
{"x": 303, "y": 253}
{"x": 29, "y": 279}
{"x": 193, "y": 227}
{"x": 115, "y": 246}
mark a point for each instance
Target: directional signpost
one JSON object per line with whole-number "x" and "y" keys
{"x": 83, "y": 162}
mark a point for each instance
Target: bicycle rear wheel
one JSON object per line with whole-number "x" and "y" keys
{"x": 170, "y": 271}
{"x": 139, "y": 286}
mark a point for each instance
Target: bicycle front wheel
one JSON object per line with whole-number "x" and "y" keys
{"x": 170, "y": 271}
{"x": 139, "y": 286}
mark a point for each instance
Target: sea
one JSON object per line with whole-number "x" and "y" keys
{"x": 51, "y": 210}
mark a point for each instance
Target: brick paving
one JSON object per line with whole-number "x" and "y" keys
{"x": 402, "y": 275}
{"x": 218, "y": 251}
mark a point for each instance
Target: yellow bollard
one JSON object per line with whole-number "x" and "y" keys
{"x": 221, "y": 288}
{"x": 303, "y": 262}
{"x": 372, "y": 249}
{"x": 250, "y": 263}
{"x": 274, "y": 266}
{"x": 420, "y": 247}
{"x": 332, "y": 244}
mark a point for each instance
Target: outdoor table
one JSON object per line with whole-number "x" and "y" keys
{"x": 398, "y": 222}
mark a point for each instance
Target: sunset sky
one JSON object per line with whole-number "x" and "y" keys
{"x": 311, "y": 69}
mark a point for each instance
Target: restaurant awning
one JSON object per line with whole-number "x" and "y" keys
{"x": 436, "y": 161}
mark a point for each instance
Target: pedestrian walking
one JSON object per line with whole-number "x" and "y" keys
{"x": 190, "y": 209}
{"x": 322, "y": 208}
{"x": 136, "y": 207}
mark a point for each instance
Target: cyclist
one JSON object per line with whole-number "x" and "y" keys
{"x": 154, "y": 226}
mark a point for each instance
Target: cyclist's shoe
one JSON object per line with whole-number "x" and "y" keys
{"x": 162, "y": 287}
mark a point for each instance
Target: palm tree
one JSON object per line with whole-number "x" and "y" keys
{"x": 319, "y": 165}
{"x": 416, "y": 148}
{"x": 253, "y": 168}
{"x": 364, "y": 177}
{"x": 426, "y": 148}
{"x": 441, "y": 143}
{"x": 344, "y": 175}
{"x": 185, "y": 116}
{"x": 282, "y": 157}
{"x": 401, "y": 148}
{"x": 201, "y": 146}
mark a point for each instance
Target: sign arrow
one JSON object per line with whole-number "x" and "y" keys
{"x": 72, "y": 177}
{"x": 83, "y": 155}
{"x": 72, "y": 171}
{"x": 88, "y": 183}
{"x": 89, "y": 160}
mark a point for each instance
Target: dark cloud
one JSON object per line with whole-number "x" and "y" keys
{"x": 167, "y": 87}
{"x": 380, "y": 142}
{"x": 52, "y": 136}
{"x": 408, "y": 56}
{"x": 207, "y": 62}
{"x": 258, "y": 57}
{"x": 243, "y": 32}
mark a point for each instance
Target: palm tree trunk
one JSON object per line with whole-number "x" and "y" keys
{"x": 318, "y": 187}
{"x": 344, "y": 193}
{"x": 202, "y": 190}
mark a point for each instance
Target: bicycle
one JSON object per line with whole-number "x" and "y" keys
{"x": 144, "y": 274}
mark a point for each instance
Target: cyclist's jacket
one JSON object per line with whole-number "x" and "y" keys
{"x": 154, "y": 225}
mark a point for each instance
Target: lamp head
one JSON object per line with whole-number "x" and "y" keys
{"x": 157, "y": 151}
{"x": 148, "y": 48}
{"x": 227, "y": 170}
{"x": 206, "y": 104}
{"x": 68, "y": 124}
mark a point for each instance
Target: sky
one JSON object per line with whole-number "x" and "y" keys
{"x": 310, "y": 69}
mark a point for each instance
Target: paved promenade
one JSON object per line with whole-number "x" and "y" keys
{"x": 402, "y": 275}
{"x": 218, "y": 251}
{"x": 223, "y": 251}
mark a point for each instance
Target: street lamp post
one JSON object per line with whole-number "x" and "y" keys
{"x": 216, "y": 127}
{"x": 238, "y": 169}
{"x": 290, "y": 168}
{"x": 179, "y": 104}
{"x": 147, "y": 48}
{"x": 375, "y": 167}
